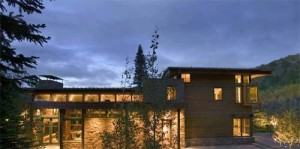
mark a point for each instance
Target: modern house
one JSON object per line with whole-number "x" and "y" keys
{"x": 210, "y": 106}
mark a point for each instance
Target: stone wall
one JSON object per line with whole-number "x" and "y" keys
{"x": 92, "y": 129}
{"x": 218, "y": 141}
{"x": 71, "y": 145}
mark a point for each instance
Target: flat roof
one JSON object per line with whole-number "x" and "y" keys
{"x": 51, "y": 77}
{"x": 79, "y": 90}
{"x": 215, "y": 70}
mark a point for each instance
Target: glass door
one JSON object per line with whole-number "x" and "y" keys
{"x": 50, "y": 131}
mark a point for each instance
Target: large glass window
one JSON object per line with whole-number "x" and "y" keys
{"x": 107, "y": 97}
{"x": 123, "y": 97}
{"x": 91, "y": 98}
{"x": 137, "y": 97}
{"x": 42, "y": 97}
{"x": 246, "y": 79}
{"x": 238, "y": 94}
{"x": 59, "y": 97}
{"x": 75, "y": 97}
{"x": 252, "y": 94}
{"x": 167, "y": 132}
{"x": 238, "y": 79}
{"x": 50, "y": 130}
{"x": 186, "y": 77}
{"x": 218, "y": 93}
{"x": 48, "y": 112}
{"x": 72, "y": 126}
{"x": 72, "y": 130}
{"x": 241, "y": 127}
{"x": 73, "y": 113}
{"x": 245, "y": 127}
{"x": 171, "y": 93}
{"x": 236, "y": 127}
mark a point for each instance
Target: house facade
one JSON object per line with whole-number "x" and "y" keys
{"x": 210, "y": 106}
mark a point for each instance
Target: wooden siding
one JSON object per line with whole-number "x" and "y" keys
{"x": 204, "y": 116}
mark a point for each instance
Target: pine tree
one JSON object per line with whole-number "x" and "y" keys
{"x": 140, "y": 71}
{"x": 15, "y": 124}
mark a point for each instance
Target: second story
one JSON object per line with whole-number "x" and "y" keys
{"x": 217, "y": 84}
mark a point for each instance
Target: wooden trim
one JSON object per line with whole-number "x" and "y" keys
{"x": 178, "y": 128}
{"x": 61, "y": 121}
{"x": 82, "y": 128}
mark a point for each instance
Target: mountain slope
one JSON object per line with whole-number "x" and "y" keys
{"x": 285, "y": 71}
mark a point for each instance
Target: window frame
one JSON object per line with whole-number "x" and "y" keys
{"x": 242, "y": 127}
{"x": 171, "y": 93}
{"x": 186, "y": 77}
{"x": 215, "y": 89}
{"x": 238, "y": 94}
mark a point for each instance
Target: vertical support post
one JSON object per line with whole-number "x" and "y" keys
{"x": 178, "y": 128}
{"x": 82, "y": 127}
{"x": 50, "y": 130}
{"x": 61, "y": 121}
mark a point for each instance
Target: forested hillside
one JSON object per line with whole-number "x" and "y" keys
{"x": 279, "y": 95}
{"x": 285, "y": 71}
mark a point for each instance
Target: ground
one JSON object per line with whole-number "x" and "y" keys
{"x": 262, "y": 141}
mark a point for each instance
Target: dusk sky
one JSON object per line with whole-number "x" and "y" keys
{"x": 91, "y": 39}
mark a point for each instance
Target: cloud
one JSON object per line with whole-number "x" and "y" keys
{"x": 91, "y": 39}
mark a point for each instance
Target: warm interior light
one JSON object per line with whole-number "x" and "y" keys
{"x": 218, "y": 93}
{"x": 238, "y": 79}
{"x": 186, "y": 77}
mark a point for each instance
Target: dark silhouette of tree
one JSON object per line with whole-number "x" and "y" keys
{"x": 14, "y": 120}
{"x": 140, "y": 71}
{"x": 151, "y": 57}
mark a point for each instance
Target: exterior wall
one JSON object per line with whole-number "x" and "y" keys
{"x": 92, "y": 129}
{"x": 219, "y": 141}
{"x": 204, "y": 116}
{"x": 71, "y": 145}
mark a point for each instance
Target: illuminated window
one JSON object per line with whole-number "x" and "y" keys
{"x": 91, "y": 98}
{"x": 123, "y": 97}
{"x": 59, "y": 97}
{"x": 75, "y": 98}
{"x": 238, "y": 79}
{"x": 73, "y": 113}
{"x": 50, "y": 130}
{"x": 246, "y": 79}
{"x": 241, "y": 127}
{"x": 137, "y": 97}
{"x": 72, "y": 126}
{"x": 238, "y": 94}
{"x": 186, "y": 77}
{"x": 42, "y": 97}
{"x": 93, "y": 113}
{"x": 252, "y": 94}
{"x": 108, "y": 98}
{"x": 167, "y": 132}
{"x": 236, "y": 127}
{"x": 48, "y": 112}
{"x": 171, "y": 92}
{"x": 218, "y": 93}
{"x": 245, "y": 127}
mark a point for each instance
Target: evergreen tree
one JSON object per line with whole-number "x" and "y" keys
{"x": 15, "y": 129}
{"x": 140, "y": 71}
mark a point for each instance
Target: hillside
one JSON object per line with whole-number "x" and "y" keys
{"x": 279, "y": 95}
{"x": 285, "y": 71}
